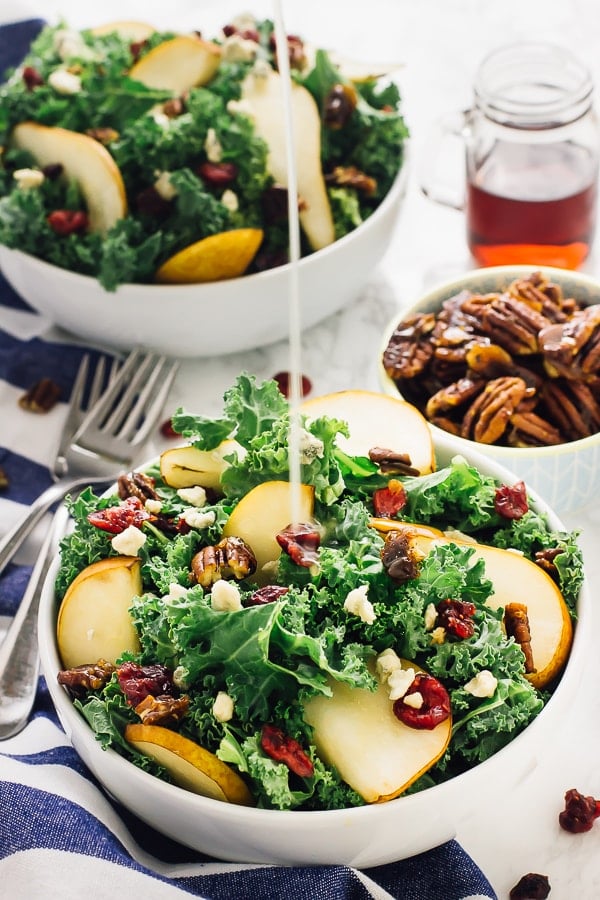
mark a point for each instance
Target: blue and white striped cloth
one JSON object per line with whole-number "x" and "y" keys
{"x": 61, "y": 836}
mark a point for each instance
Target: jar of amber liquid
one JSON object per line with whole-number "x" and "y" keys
{"x": 531, "y": 152}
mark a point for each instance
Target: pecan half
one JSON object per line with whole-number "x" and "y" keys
{"x": 164, "y": 710}
{"x": 398, "y": 557}
{"x": 41, "y": 396}
{"x": 572, "y": 406}
{"x": 230, "y": 558}
{"x": 351, "y": 176}
{"x": 136, "y": 484}
{"x": 409, "y": 349}
{"x": 527, "y": 429}
{"x": 516, "y": 624}
{"x": 391, "y": 462}
{"x": 573, "y": 348}
{"x": 90, "y": 677}
{"x": 489, "y": 415}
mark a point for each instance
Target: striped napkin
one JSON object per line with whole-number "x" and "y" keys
{"x": 61, "y": 835}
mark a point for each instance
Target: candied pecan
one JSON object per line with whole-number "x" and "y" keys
{"x": 89, "y": 677}
{"x": 162, "y": 710}
{"x": 136, "y": 484}
{"x": 4, "y": 482}
{"x": 104, "y": 136}
{"x": 572, "y": 349}
{"x": 572, "y": 406}
{"x": 513, "y": 324}
{"x": 530, "y": 430}
{"x": 516, "y": 624}
{"x": 174, "y": 107}
{"x": 545, "y": 560}
{"x": 489, "y": 360}
{"x": 544, "y": 296}
{"x": 230, "y": 558}
{"x": 41, "y": 397}
{"x": 434, "y": 709}
{"x": 398, "y": 557}
{"x": 351, "y": 176}
{"x": 340, "y": 102}
{"x": 282, "y": 748}
{"x": 579, "y": 813}
{"x": 389, "y": 461}
{"x": 531, "y": 887}
{"x": 489, "y": 415}
{"x": 453, "y": 396}
{"x": 446, "y": 424}
{"x": 301, "y": 543}
{"x": 409, "y": 349}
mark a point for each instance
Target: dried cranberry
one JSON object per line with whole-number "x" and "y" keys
{"x": 167, "y": 430}
{"x": 579, "y": 813}
{"x": 436, "y": 703}
{"x": 148, "y": 202}
{"x": 136, "y": 48}
{"x": 283, "y": 380}
{"x": 267, "y": 594}
{"x": 137, "y": 682}
{"x": 531, "y": 887}
{"x": 388, "y": 501}
{"x": 217, "y": 174}
{"x": 282, "y": 748}
{"x": 301, "y": 543}
{"x": 116, "y": 519}
{"x": 511, "y": 502}
{"x": 32, "y": 78}
{"x": 67, "y": 221}
{"x": 53, "y": 171}
{"x": 456, "y": 616}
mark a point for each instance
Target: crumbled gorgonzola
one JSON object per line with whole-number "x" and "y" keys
{"x": 129, "y": 541}
{"x": 225, "y": 596}
{"x": 64, "y": 82}
{"x": 357, "y": 604}
{"x": 484, "y": 684}
{"x": 196, "y": 519}
{"x": 195, "y": 496}
{"x": 223, "y": 707}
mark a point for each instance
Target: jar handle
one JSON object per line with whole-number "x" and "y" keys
{"x": 436, "y": 181}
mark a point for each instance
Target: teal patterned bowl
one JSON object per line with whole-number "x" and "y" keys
{"x": 566, "y": 476}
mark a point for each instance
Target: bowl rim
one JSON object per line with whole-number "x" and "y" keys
{"x": 395, "y": 193}
{"x": 448, "y": 288}
{"x": 74, "y": 724}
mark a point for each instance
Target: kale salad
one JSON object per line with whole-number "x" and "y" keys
{"x": 191, "y": 162}
{"x": 344, "y": 595}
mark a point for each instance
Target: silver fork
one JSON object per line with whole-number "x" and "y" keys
{"x": 108, "y": 438}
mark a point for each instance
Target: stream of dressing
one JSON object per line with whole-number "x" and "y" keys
{"x": 294, "y": 329}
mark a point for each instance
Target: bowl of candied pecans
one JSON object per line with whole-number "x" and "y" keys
{"x": 508, "y": 358}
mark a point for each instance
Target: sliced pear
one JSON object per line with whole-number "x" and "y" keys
{"x": 263, "y": 512}
{"x": 215, "y": 258}
{"x": 384, "y": 525}
{"x": 179, "y": 64}
{"x": 377, "y": 420}
{"x": 84, "y": 160}
{"x": 182, "y": 467}
{"x": 262, "y": 99}
{"x": 93, "y": 619}
{"x": 356, "y": 731}
{"x": 517, "y": 579}
{"x": 127, "y": 29}
{"x": 190, "y": 765}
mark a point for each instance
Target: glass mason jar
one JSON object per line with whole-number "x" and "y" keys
{"x": 531, "y": 144}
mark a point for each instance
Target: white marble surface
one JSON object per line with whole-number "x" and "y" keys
{"x": 440, "y": 43}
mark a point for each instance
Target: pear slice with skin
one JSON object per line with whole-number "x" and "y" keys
{"x": 262, "y": 513}
{"x": 374, "y": 421}
{"x": 182, "y": 467}
{"x": 517, "y": 579}
{"x": 128, "y": 29}
{"x": 262, "y": 100}
{"x": 190, "y": 765}
{"x": 356, "y": 731}
{"x": 84, "y": 160}
{"x": 179, "y": 64}
{"x": 93, "y": 619}
{"x": 215, "y": 258}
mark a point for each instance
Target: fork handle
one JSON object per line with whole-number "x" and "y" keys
{"x": 11, "y": 541}
{"x": 19, "y": 659}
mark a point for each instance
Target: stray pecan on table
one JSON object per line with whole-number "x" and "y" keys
{"x": 41, "y": 397}
{"x": 519, "y": 368}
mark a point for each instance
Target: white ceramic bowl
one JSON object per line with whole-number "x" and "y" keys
{"x": 209, "y": 319}
{"x": 567, "y": 476}
{"x": 363, "y": 836}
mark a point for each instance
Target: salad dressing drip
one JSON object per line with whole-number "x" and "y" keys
{"x": 294, "y": 317}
